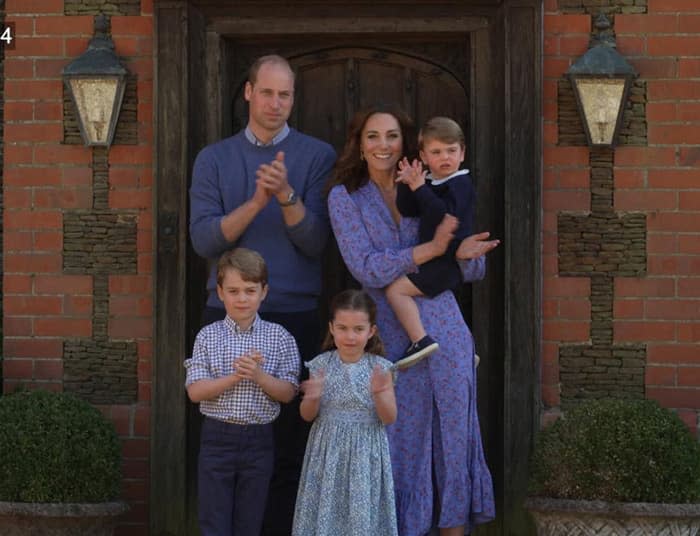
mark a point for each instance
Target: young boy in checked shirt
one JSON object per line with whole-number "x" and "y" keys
{"x": 241, "y": 368}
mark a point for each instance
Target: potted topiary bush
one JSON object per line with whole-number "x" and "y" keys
{"x": 60, "y": 467}
{"x": 616, "y": 467}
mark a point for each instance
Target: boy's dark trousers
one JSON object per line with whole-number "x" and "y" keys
{"x": 234, "y": 471}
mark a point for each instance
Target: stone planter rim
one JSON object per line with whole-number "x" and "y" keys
{"x": 548, "y": 504}
{"x": 101, "y": 509}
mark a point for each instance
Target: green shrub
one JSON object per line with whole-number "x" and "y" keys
{"x": 55, "y": 447}
{"x": 617, "y": 451}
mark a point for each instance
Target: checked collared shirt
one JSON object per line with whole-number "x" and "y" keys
{"x": 216, "y": 349}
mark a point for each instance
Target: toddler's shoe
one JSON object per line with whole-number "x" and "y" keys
{"x": 416, "y": 352}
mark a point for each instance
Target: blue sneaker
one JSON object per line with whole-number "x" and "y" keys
{"x": 416, "y": 352}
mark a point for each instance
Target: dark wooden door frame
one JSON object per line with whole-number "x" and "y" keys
{"x": 506, "y": 143}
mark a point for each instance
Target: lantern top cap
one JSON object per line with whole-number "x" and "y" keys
{"x": 602, "y": 59}
{"x": 99, "y": 58}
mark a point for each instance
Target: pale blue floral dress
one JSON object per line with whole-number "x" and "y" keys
{"x": 346, "y": 485}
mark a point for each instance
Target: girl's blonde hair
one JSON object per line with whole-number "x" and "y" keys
{"x": 355, "y": 300}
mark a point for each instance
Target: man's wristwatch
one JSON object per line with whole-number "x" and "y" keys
{"x": 291, "y": 199}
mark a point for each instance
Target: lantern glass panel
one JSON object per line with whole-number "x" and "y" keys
{"x": 95, "y": 99}
{"x": 601, "y": 99}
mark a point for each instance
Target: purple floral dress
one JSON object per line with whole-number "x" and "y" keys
{"x": 437, "y": 426}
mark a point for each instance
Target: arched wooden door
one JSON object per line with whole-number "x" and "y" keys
{"x": 332, "y": 84}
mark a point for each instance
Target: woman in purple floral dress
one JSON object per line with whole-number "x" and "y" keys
{"x": 437, "y": 430}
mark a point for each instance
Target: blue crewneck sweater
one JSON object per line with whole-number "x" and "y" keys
{"x": 223, "y": 178}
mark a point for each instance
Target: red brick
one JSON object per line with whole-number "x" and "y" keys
{"x": 628, "y": 309}
{"x": 144, "y": 392}
{"x": 689, "y": 377}
{"x": 132, "y": 468}
{"x": 129, "y": 154}
{"x": 644, "y": 157}
{"x": 671, "y": 45}
{"x": 134, "y": 490}
{"x": 125, "y": 176}
{"x": 19, "y": 68}
{"x": 550, "y": 395}
{"x": 62, "y": 154}
{"x": 674, "y": 397}
{"x": 76, "y": 176}
{"x": 647, "y": 287}
{"x": 673, "y": 221}
{"x": 688, "y": 68}
{"x": 673, "y": 134}
{"x": 144, "y": 89}
{"x": 574, "y": 309}
{"x": 129, "y": 284}
{"x": 662, "y": 243}
{"x": 61, "y": 25}
{"x": 18, "y": 154}
{"x": 131, "y": 25}
{"x": 49, "y": 68}
{"x": 39, "y": 46}
{"x": 35, "y": 262}
{"x": 33, "y": 6}
{"x": 688, "y": 354}
{"x": 555, "y": 67}
{"x": 147, "y": 7}
{"x": 144, "y": 241}
{"x": 63, "y": 284}
{"x": 689, "y": 111}
{"x": 19, "y": 111}
{"x": 673, "y": 6}
{"x": 673, "y": 309}
{"x": 130, "y": 328}
{"x": 567, "y": 200}
{"x": 629, "y": 178}
{"x": 125, "y": 199}
{"x": 48, "y": 111}
{"x": 17, "y": 198}
{"x": 566, "y": 331}
{"x": 574, "y": 45}
{"x": 33, "y": 219}
{"x": 63, "y": 327}
{"x": 690, "y": 418}
{"x": 144, "y": 263}
{"x": 18, "y": 368}
{"x": 144, "y": 350}
{"x": 77, "y": 306}
{"x": 127, "y": 47}
{"x": 142, "y": 421}
{"x": 630, "y": 46}
{"x": 689, "y": 200}
{"x": 129, "y": 306}
{"x": 32, "y": 305}
{"x": 135, "y": 448}
{"x": 144, "y": 370}
{"x": 30, "y": 176}
{"x": 673, "y": 265}
{"x": 18, "y": 241}
{"x": 33, "y": 348}
{"x": 689, "y": 24}
{"x": 566, "y": 156}
{"x": 689, "y": 288}
{"x": 633, "y": 200}
{"x": 567, "y": 24}
{"x": 567, "y": 287}
{"x": 644, "y": 24}
{"x": 65, "y": 198}
{"x": 48, "y": 369}
{"x": 689, "y": 244}
{"x": 18, "y": 132}
{"x": 660, "y": 376}
{"x": 144, "y": 112}
{"x": 48, "y": 241}
{"x": 17, "y": 326}
{"x": 689, "y": 332}
{"x": 655, "y": 68}
{"x": 669, "y": 90}
{"x": 661, "y": 112}
{"x": 75, "y": 46}
{"x": 643, "y": 331}
{"x": 17, "y": 284}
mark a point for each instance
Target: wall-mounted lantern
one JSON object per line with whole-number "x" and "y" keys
{"x": 601, "y": 79}
{"x": 96, "y": 81}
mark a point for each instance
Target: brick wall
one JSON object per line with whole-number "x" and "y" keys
{"x": 76, "y": 317}
{"x": 653, "y": 177}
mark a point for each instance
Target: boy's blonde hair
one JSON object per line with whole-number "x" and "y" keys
{"x": 248, "y": 263}
{"x": 441, "y": 129}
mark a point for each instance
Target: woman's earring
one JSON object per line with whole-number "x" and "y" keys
{"x": 362, "y": 156}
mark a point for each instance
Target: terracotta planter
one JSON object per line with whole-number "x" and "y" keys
{"x": 55, "y": 519}
{"x": 556, "y": 517}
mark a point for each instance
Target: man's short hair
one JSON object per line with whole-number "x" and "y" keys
{"x": 273, "y": 59}
{"x": 248, "y": 263}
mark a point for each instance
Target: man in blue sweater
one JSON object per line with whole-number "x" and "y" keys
{"x": 263, "y": 189}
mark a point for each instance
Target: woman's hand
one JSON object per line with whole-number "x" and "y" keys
{"x": 475, "y": 246}
{"x": 444, "y": 233}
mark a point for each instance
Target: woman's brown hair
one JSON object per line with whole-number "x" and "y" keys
{"x": 356, "y": 300}
{"x": 351, "y": 170}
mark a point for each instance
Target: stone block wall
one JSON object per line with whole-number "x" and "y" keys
{"x": 78, "y": 227}
{"x": 621, "y": 253}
